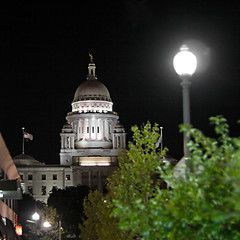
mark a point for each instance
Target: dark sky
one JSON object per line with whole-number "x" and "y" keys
{"x": 44, "y": 57}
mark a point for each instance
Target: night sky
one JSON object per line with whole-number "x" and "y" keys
{"x": 44, "y": 58}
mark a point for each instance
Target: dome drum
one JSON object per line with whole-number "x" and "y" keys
{"x": 92, "y": 106}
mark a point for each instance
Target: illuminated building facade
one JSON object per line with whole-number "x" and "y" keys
{"x": 93, "y": 136}
{"x": 90, "y": 142}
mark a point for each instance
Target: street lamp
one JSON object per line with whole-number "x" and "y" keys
{"x": 185, "y": 64}
{"x": 47, "y": 224}
{"x": 35, "y": 216}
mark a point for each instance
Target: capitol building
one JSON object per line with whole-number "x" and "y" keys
{"x": 91, "y": 140}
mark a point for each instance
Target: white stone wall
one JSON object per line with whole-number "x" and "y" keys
{"x": 44, "y": 179}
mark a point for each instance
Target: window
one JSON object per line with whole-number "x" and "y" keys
{"x": 84, "y": 175}
{"x": 97, "y": 129}
{"x": 43, "y": 190}
{"x": 44, "y": 177}
{"x": 54, "y": 188}
{"x": 54, "y": 176}
{"x": 29, "y": 176}
{"x": 30, "y": 190}
{"x": 67, "y": 177}
{"x": 87, "y": 129}
{"x": 92, "y": 129}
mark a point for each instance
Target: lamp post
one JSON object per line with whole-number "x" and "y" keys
{"x": 185, "y": 64}
{"x": 47, "y": 224}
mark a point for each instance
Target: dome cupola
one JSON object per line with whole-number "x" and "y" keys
{"x": 92, "y": 95}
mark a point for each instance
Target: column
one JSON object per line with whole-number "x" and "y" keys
{"x": 78, "y": 129}
{"x": 106, "y": 129}
{"x": 100, "y": 181}
{"x": 62, "y": 146}
{"x": 103, "y": 129}
{"x": 89, "y": 179}
{"x": 80, "y": 178}
{"x": 124, "y": 141}
{"x": 100, "y": 124}
{"x": 65, "y": 142}
{"x": 113, "y": 141}
{"x": 85, "y": 129}
{"x": 72, "y": 142}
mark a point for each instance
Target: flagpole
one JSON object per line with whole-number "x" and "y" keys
{"x": 23, "y": 140}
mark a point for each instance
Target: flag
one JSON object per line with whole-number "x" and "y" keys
{"x": 158, "y": 141}
{"x": 27, "y": 135}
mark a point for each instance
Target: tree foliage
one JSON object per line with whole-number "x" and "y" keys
{"x": 204, "y": 204}
{"x": 34, "y": 229}
{"x": 48, "y": 214}
{"x": 68, "y": 203}
{"x": 138, "y": 167}
{"x": 99, "y": 223}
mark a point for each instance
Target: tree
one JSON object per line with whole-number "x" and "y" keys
{"x": 69, "y": 205}
{"x": 99, "y": 223}
{"x": 50, "y": 215}
{"x": 138, "y": 167}
{"x": 204, "y": 204}
{"x": 34, "y": 229}
{"x": 137, "y": 179}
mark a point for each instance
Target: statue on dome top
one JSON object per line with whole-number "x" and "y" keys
{"x": 91, "y": 57}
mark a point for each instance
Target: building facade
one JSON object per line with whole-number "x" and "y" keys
{"x": 91, "y": 140}
{"x": 10, "y": 192}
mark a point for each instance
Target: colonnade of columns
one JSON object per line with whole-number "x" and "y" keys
{"x": 119, "y": 140}
{"x": 90, "y": 179}
{"x": 94, "y": 129}
{"x": 67, "y": 142}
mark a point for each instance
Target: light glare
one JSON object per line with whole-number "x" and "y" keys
{"x": 185, "y": 62}
{"x": 46, "y": 224}
{"x": 35, "y": 216}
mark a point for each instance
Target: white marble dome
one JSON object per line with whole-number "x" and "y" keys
{"x": 92, "y": 95}
{"x": 92, "y": 89}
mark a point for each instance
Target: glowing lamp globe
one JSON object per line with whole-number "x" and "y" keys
{"x": 46, "y": 224}
{"x": 35, "y": 216}
{"x": 185, "y": 62}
